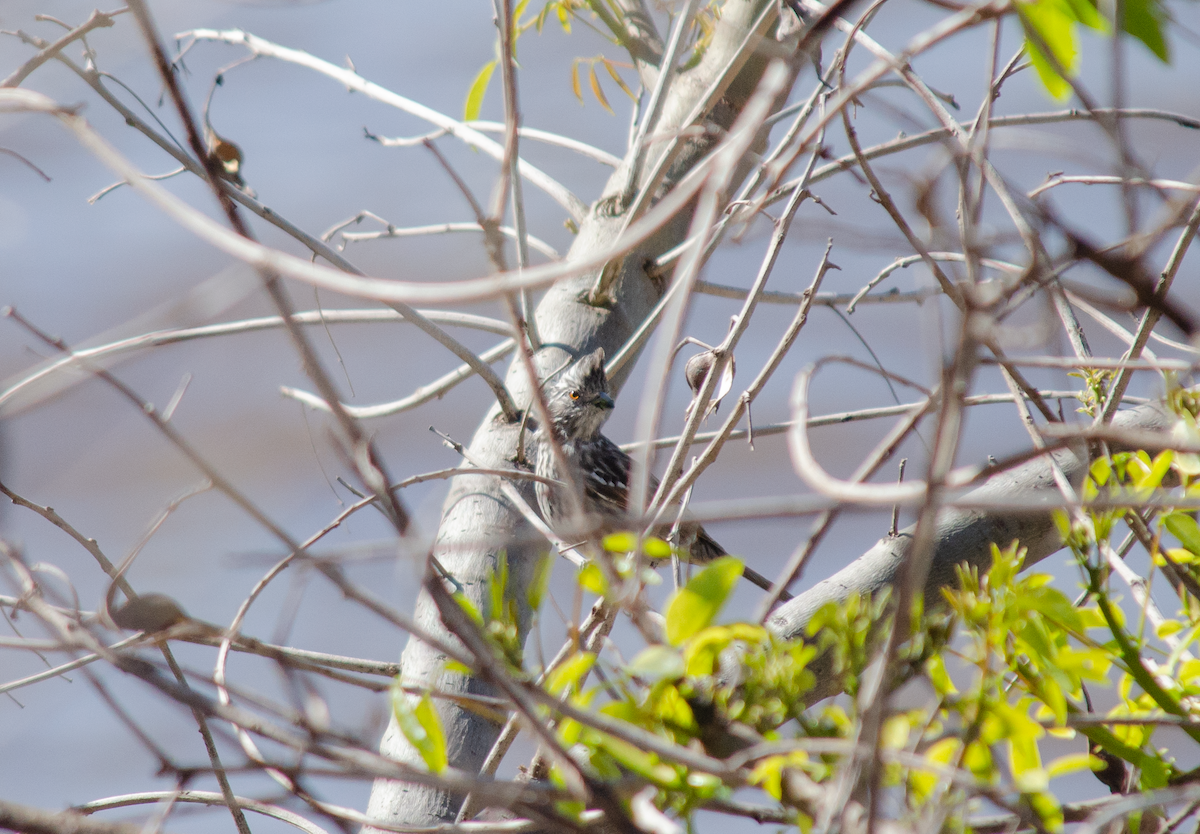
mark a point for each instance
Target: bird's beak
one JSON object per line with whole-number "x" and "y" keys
{"x": 604, "y": 401}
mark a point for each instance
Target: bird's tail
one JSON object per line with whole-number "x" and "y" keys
{"x": 705, "y": 549}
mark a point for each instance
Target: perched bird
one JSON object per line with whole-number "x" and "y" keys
{"x": 578, "y": 402}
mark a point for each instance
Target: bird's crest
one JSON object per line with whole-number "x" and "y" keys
{"x": 586, "y": 374}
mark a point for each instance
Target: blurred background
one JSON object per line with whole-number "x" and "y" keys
{"x": 92, "y": 272}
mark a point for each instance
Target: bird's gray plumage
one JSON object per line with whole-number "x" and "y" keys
{"x": 579, "y": 403}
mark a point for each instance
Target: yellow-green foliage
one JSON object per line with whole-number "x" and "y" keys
{"x": 1003, "y": 661}
{"x": 1050, "y": 34}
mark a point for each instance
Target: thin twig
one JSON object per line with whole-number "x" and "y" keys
{"x": 98, "y": 20}
{"x": 353, "y": 81}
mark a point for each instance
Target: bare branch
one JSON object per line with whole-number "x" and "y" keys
{"x": 98, "y": 20}
{"x": 29, "y": 820}
{"x": 353, "y": 81}
{"x": 421, "y": 396}
{"x": 446, "y": 228}
{"x": 201, "y": 798}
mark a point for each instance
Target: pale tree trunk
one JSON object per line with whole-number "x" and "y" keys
{"x": 478, "y": 522}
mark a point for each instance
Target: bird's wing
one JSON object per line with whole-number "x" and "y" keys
{"x": 606, "y": 470}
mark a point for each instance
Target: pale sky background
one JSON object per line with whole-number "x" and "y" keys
{"x": 83, "y": 270}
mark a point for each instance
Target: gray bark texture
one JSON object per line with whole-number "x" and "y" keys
{"x": 478, "y": 522}
{"x": 963, "y": 536}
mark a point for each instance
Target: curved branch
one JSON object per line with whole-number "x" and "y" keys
{"x": 201, "y": 798}
{"x": 226, "y": 190}
{"x": 422, "y": 395}
{"x": 962, "y": 535}
{"x": 385, "y": 290}
{"x": 446, "y": 228}
{"x": 476, "y": 363}
{"x": 556, "y": 139}
{"x": 353, "y": 81}
{"x": 159, "y": 338}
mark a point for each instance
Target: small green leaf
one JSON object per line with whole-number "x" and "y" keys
{"x": 672, "y": 709}
{"x": 943, "y": 751}
{"x": 1047, "y": 807}
{"x": 1025, "y": 759}
{"x": 1144, "y": 20}
{"x": 1085, "y": 12}
{"x": 1055, "y": 605}
{"x": 695, "y": 606}
{"x": 1154, "y": 773}
{"x": 1050, "y": 37}
{"x": 1177, "y": 555}
{"x": 656, "y": 548}
{"x": 570, "y": 672}
{"x": 498, "y": 586}
{"x": 1187, "y": 463}
{"x": 657, "y": 663}
{"x": 1062, "y": 523}
{"x": 1169, "y": 628}
{"x": 639, "y": 761}
{"x": 895, "y": 732}
{"x": 624, "y": 542}
{"x": 768, "y": 775}
{"x": 1158, "y": 470}
{"x": 421, "y": 725}
{"x": 478, "y": 89}
{"x": 701, "y": 653}
{"x": 1070, "y": 763}
{"x": 469, "y": 607}
{"x": 1184, "y": 528}
{"x": 939, "y": 677}
{"x": 591, "y": 578}
{"x": 540, "y": 581}
{"x": 978, "y": 759}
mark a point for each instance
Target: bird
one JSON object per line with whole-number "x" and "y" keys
{"x": 578, "y": 403}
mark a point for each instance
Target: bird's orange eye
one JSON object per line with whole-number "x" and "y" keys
{"x": 574, "y": 395}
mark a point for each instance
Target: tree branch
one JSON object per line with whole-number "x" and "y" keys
{"x": 960, "y": 536}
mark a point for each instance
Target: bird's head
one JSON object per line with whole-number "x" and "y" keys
{"x": 578, "y": 398}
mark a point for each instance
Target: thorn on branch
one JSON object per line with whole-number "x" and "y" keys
{"x": 450, "y": 442}
{"x": 895, "y": 528}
